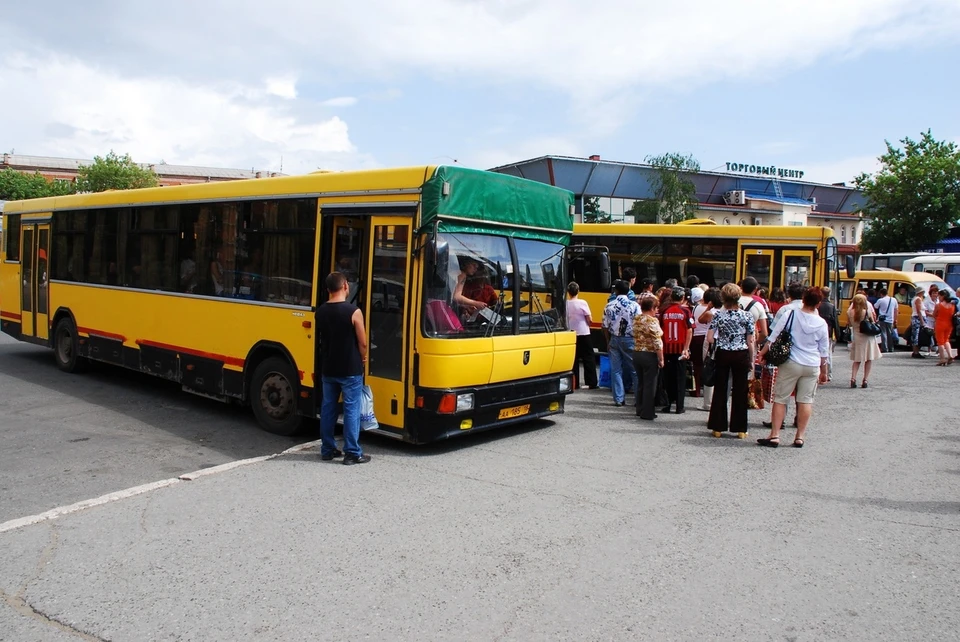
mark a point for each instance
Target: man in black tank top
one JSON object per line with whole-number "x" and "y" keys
{"x": 343, "y": 351}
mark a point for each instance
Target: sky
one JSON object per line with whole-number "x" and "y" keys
{"x": 295, "y": 86}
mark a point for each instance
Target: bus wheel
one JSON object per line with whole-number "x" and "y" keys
{"x": 273, "y": 395}
{"x": 66, "y": 347}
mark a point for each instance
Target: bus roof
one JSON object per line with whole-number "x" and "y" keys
{"x": 461, "y": 199}
{"x": 707, "y": 231}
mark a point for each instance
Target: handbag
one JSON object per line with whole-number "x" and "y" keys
{"x": 869, "y": 327}
{"x": 779, "y": 350}
{"x": 709, "y": 375}
{"x": 768, "y": 380}
{"x": 755, "y": 395}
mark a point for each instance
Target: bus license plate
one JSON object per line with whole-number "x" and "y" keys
{"x": 516, "y": 411}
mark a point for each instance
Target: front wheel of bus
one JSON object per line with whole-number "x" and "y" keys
{"x": 66, "y": 346}
{"x": 274, "y": 396}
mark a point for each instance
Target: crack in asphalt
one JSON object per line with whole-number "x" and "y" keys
{"x": 19, "y": 603}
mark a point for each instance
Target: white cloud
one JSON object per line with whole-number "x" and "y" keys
{"x": 284, "y": 87}
{"x": 67, "y": 108}
{"x": 341, "y": 101}
{"x": 230, "y": 91}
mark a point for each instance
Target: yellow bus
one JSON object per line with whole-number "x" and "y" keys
{"x": 215, "y": 287}
{"x": 900, "y": 285}
{"x": 775, "y": 255}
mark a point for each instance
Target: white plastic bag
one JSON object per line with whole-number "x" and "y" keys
{"x": 368, "y": 421}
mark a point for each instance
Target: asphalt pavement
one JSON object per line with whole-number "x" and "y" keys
{"x": 595, "y": 526}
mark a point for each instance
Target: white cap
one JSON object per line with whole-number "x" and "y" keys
{"x": 696, "y": 295}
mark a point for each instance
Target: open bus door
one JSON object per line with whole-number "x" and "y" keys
{"x": 35, "y": 298}
{"x": 388, "y": 302}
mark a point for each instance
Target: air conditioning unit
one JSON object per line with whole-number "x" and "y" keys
{"x": 757, "y": 220}
{"x": 735, "y": 197}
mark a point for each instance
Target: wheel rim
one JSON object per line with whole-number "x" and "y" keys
{"x": 65, "y": 345}
{"x": 276, "y": 396}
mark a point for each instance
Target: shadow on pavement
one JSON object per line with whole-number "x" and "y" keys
{"x": 925, "y": 507}
{"x": 226, "y": 428}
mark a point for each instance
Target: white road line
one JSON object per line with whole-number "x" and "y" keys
{"x": 54, "y": 513}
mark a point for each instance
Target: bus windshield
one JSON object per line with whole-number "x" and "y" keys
{"x": 478, "y": 285}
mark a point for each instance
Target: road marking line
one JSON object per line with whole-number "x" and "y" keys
{"x": 54, "y": 513}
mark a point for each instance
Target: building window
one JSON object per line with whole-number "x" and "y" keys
{"x": 843, "y": 233}
{"x": 853, "y": 234}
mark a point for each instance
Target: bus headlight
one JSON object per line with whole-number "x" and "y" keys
{"x": 566, "y": 383}
{"x": 465, "y": 402}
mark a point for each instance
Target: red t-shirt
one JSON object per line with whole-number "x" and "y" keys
{"x": 676, "y": 322}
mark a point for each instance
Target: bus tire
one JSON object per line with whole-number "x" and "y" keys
{"x": 66, "y": 346}
{"x": 273, "y": 396}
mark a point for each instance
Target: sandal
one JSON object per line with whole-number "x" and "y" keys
{"x": 773, "y": 442}
{"x": 853, "y": 383}
{"x": 798, "y": 443}
{"x": 863, "y": 385}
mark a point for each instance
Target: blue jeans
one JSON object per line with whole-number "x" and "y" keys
{"x": 621, "y": 360}
{"x": 351, "y": 388}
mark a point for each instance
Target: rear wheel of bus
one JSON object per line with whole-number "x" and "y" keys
{"x": 66, "y": 346}
{"x": 273, "y": 395}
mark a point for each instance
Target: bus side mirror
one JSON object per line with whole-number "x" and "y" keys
{"x": 605, "y": 280}
{"x": 850, "y": 267}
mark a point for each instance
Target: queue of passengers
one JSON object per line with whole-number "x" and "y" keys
{"x": 652, "y": 335}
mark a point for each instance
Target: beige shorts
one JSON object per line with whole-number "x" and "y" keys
{"x": 792, "y": 376}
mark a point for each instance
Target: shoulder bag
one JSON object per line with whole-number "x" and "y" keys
{"x": 869, "y": 327}
{"x": 709, "y": 375}
{"x": 779, "y": 350}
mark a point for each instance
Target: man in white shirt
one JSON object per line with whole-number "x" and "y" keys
{"x": 750, "y": 303}
{"x": 887, "y": 308}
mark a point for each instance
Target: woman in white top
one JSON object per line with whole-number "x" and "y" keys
{"x": 699, "y": 337}
{"x": 806, "y": 367}
{"x": 703, "y": 315}
{"x": 917, "y": 321}
{"x": 578, "y": 320}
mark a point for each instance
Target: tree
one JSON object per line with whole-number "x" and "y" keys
{"x": 114, "y": 172}
{"x": 915, "y": 197}
{"x": 15, "y": 186}
{"x": 592, "y": 212}
{"x": 675, "y": 195}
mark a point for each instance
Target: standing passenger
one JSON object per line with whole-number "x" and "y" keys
{"x": 828, "y": 312}
{"x": 732, "y": 329}
{"x": 863, "y": 347}
{"x": 917, "y": 321}
{"x": 647, "y": 357}
{"x": 677, "y": 324}
{"x": 943, "y": 314}
{"x": 343, "y": 351}
{"x": 578, "y": 320}
{"x": 618, "y": 319}
{"x": 887, "y": 308}
{"x": 806, "y": 367}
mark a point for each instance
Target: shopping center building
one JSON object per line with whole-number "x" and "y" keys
{"x": 741, "y": 194}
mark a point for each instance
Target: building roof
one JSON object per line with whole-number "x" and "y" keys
{"x": 595, "y": 177}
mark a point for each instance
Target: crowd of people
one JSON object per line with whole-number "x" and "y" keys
{"x": 737, "y": 334}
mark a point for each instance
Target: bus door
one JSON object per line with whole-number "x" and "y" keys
{"x": 387, "y": 300}
{"x": 758, "y": 263}
{"x": 35, "y": 301}
{"x": 349, "y": 255}
{"x": 797, "y": 267}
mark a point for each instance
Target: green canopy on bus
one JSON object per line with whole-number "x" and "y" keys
{"x": 471, "y": 200}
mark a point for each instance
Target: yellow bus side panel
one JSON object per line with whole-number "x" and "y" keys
{"x": 10, "y": 289}
{"x": 223, "y": 330}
